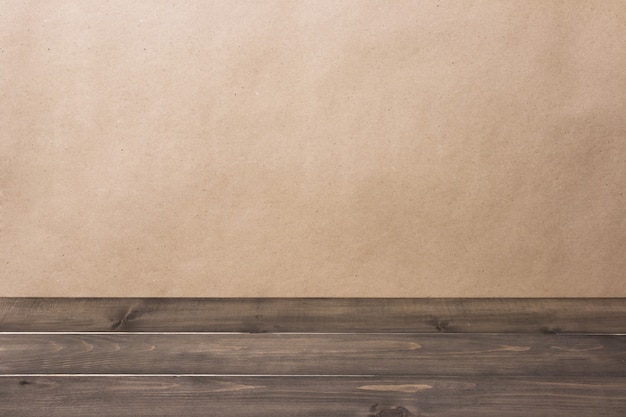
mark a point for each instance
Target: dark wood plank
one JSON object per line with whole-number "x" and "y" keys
{"x": 404, "y": 315}
{"x": 69, "y": 396}
{"x": 314, "y": 354}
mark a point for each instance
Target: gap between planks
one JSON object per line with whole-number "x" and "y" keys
{"x": 174, "y": 375}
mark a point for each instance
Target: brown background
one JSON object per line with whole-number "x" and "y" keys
{"x": 319, "y": 148}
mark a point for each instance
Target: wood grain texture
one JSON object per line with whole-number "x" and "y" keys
{"x": 312, "y": 357}
{"x": 69, "y": 396}
{"x": 404, "y": 315}
{"x": 315, "y": 354}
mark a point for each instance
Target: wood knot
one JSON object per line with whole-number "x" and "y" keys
{"x": 380, "y": 410}
{"x": 551, "y": 330}
{"x": 439, "y": 324}
{"x": 442, "y": 325}
{"x": 129, "y": 316}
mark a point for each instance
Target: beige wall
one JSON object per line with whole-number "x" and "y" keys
{"x": 319, "y": 148}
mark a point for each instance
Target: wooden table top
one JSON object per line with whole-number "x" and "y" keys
{"x": 312, "y": 357}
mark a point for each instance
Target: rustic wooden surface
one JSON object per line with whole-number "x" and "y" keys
{"x": 80, "y": 396}
{"x": 315, "y": 354}
{"x": 312, "y": 357}
{"x": 387, "y": 315}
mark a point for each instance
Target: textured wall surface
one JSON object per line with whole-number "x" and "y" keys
{"x": 319, "y": 148}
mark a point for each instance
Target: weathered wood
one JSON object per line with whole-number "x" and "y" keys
{"x": 69, "y": 396}
{"x": 404, "y": 315}
{"x": 312, "y": 357}
{"x": 314, "y": 354}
